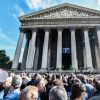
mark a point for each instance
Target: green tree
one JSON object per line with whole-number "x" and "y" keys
{"x": 5, "y": 62}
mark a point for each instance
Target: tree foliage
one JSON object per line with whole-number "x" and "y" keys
{"x": 5, "y": 62}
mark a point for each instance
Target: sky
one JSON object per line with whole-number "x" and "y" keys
{"x": 10, "y": 10}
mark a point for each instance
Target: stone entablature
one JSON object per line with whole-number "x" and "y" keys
{"x": 60, "y": 21}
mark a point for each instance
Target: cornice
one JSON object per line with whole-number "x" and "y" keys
{"x": 60, "y": 21}
{"x": 64, "y": 26}
{"x": 92, "y": 17}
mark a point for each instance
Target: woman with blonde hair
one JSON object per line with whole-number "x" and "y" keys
{"x": 29, "y": 93}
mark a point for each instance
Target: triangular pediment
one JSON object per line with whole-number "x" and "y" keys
{"x": 63, "y": 11}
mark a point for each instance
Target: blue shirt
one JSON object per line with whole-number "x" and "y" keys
{"x": 1, "y": 95}
{"x": 89, "y": 89}
{"x": 13, "y": 95}
{"x": 39, "y": 98}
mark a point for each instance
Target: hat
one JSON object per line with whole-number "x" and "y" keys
{"x": 3, "y": 76}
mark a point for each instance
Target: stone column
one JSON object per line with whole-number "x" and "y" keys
{"x": 73, "y": 49}
{"x": 97, "y": 57}
{"x": 18, "y": 51}
{"x": 84, "y": 54}
{"x": 97, "y": 48}
{"x": 87, "y": 50}
{"x": 45, "y": 50}
{"x": 98, "y": 36}
{"x": 23, "y": 66}
{"x": 35, "y": 64}
{"x": 31, "y": 52}
{"x": 48, "y": 61}
{"x": 49, "y": 55}
{"x": 59, "y": 49}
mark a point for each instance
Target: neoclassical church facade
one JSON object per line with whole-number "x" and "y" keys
{"x": 59, "y": 37}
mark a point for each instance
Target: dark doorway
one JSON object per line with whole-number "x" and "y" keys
{"x": 66, "y": 49}
{"x": 66, "y": 61}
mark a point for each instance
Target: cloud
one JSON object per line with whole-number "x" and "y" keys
{"x": 14, "y": 15}
{"x": 19, "y": 10}
{"x": 33, "y": 3}
{"x": 98, "y": 2}
{"x": 4, "y": 37}
{"x": 36, "y": 4}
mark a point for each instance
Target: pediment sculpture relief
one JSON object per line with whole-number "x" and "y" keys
{"x": 64, "y": 14}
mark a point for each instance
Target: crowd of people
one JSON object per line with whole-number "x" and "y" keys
{"x": 48, "y": 86}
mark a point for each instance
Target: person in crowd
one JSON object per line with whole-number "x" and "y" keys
{"x": 64, "y": 78}
{"x": 78, "y": 91}
{"x": 95, "y": 98}
{"x": 29, "y": 93}
{"x": 3, "y": 78}
{"x": 70, "y": 81}
{"x": 76, "y": 86}
{"x": 89, "y": 90}
{"x": 57, "y": 82}
{"x": 14, "y": 91}
{"x": 58, "y": 93}
{"x": 82, "y": 78}
{"x": 88, "y": 85}
{"x": 11, "y": 74}
{"x": 49, "y": 85}
{"x": 40, "y": 83}
{"x": 25, "y": 80}
{"x": 33, "y": 79}
{"x": 7, "y": 85}
{"x": 96, "y": 86}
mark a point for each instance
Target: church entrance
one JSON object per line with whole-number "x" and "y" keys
{"x": 66, "y": 58}
{"x": 66, "y": 49}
